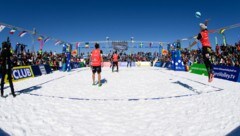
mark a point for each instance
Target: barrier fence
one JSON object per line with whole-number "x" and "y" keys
{"x": 26, "y": 72}
{"x": 222, "y": 72}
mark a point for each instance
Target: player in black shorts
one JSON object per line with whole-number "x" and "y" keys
{"x": 96, "y": 69}
{"x": 96, "y": 64}
{"x": 203, "y": 37}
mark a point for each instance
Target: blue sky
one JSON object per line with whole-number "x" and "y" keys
{"x": 93, "y": 20}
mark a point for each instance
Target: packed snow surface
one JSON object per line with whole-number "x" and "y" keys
{"x": 133, "y": 102}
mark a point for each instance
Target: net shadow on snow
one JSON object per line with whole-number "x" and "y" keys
{"x": 36, "y": 87}
{"x": 218, "y": 89}
{"x": 235, "y": 132}
{"x": 187, "y": 86}
{"x": 3, "y": 133}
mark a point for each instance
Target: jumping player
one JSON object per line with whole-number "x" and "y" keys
{"x": 206, "y": 48}
{"x": 96, "y": 61}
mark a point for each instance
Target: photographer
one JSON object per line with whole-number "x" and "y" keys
{"x": 6, "y": 66}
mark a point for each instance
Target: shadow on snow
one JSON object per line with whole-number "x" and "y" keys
{"x": 3, "y": 133}
{"x": 235, "y": 132}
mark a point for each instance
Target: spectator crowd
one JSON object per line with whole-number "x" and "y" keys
{"x": 228, "y": 55}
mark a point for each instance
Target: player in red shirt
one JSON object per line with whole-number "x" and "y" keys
{"x": 115, "y": 58}
{"x": 96, "y": 62}
{"x": 206, "y": 49}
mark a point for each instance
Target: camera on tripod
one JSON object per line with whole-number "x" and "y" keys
{"x": 6, "y": 47}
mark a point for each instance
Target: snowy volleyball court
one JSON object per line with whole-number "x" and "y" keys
{"x": 134, "y": 102}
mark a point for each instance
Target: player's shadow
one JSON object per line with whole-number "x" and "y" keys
{"x": 235, "y": 132}
{"x": 103, "y": 81}
{"x": 36, "y": 87}
{"x": 3, "y": 133}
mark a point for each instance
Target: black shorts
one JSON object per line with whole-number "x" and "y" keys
{"x": 97, "y": 69}
{"x": 206, "y": 52}
{"x": 115, "y": 63}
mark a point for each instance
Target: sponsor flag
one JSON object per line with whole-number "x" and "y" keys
{"x": 74, "y": 52}
{"x": 164, "y": 52}
{"x": 2, "y": 27}
{"x": 12, "y": 31}
{"x": 222, "y": 31}
{"x": 40, "y": 38}
{"x": 150, "y": 44}
{"x": 77, "y": 44}
{"x": 22, "y": 33}
{"x": 216, "y": 40}
{"x": 141, "y": 45}
{"x": 57, "y": 42}
{"x": 87, "y": 45}
{"x": 47, "y": 39}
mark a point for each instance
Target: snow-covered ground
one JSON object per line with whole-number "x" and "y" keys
{"x": 133, "y": 102}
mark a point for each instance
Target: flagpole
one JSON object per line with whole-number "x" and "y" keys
{"x": 132, "y": 44}
{"x": 33, "y": 40}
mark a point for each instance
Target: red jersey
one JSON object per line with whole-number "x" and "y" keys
{"x": 96, "y": 57}
{"x": 205, "y": 39}
{"x": 115, "y": 58}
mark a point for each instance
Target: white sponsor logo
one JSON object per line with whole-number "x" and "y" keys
{"x": 22, "y": 73}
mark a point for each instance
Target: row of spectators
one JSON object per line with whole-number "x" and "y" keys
{"x": 222, "y": 55}
{"x": 228, "y": 55}
{"x": 25, "y": 58}
{"x": 124, "y": 57}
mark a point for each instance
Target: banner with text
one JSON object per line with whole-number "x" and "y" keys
{"x": 199, "y": 69}
{"x": 226, "y": 72}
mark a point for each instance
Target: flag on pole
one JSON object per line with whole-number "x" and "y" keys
{"x": 216, "y": 40}
{"x": 41, "y": 44}
{"x": 47, "y": 39}
{"x": 150, "y": 44}
{"x": 12, "y": 31}
{"x": 87, "y": 45}
{"x": 2, "y": 27}
{"x": 57, "y": 42}
{"x": 141, "y": 45}
{"x": 22, "y": 33}
{"x": 222, "y": 31}
{"x": 40, "y": 38}
{"x": 77, "y": 44}
{"x": 34, "y": 31}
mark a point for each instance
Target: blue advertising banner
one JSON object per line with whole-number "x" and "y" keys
{"x": 123, "y": 64}
{"x": 43, "y": 69}
{"x": 48, "y": 69}
{"x": 227, "y": 73}
{"x": 133, "y": 64}
{"x": 168, "y": 65}
{"x": 75, "y": 65}
{"x": 239, "y": 77}
{"x": 36, "y": 71}
{"x": 177, "y": 63}
{"x": 68, "y": 61}
{"x": 158, "y": 64}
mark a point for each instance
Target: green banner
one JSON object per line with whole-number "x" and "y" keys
{"x": 81, "y": 64}
{"x": 198, "y": 69}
